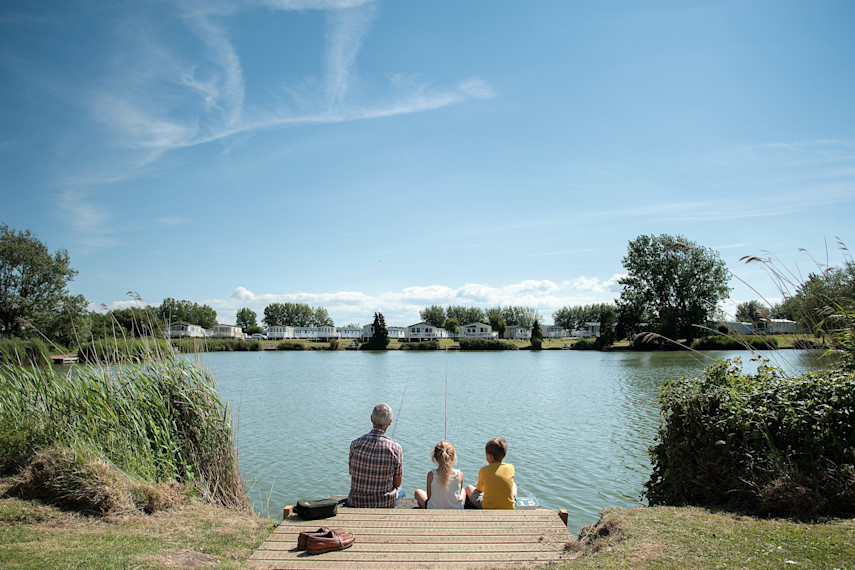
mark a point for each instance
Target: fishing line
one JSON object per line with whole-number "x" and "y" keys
{"x": 398, "y": 415}
{"x": 445, "y": 434}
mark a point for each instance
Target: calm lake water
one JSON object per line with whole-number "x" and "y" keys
{"x": 578, "y": 424}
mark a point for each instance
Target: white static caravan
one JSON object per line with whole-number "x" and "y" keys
{"x": 478, "y": 330}
{"x": 184, "y": 330}
{"x": 554, "y": 331}
{"x": 327, "y": 332}
{"x": 738, "y": 327}
{"x": 395, "y": 333}
{"x": 349, "y": 332}
{"x": 226, "y": 331}
{"x": 421, "y": 331}
{"x": 306, "y": 333}
{"x": 517, "y": 332}
{"x": 782, "y": 326}
{"x": 588, "y": 330}
{"x": 280, "y": 332}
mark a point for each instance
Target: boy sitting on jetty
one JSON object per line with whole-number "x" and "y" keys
{"x": 496, "y": 488}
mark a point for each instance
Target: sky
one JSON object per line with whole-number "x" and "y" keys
{"x": 389, "y": 155}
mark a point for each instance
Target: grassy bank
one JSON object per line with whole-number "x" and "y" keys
{"x": 189, "y": 535}
{"x": 198, "y": 535}
{"x": 689, "y": 537}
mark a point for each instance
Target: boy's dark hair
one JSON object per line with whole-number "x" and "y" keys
{"x": 497, "y": 448}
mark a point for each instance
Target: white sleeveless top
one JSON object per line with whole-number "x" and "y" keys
{"x": 450, "y": 497}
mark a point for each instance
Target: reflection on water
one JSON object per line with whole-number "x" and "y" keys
{"x": 578, "y": 424}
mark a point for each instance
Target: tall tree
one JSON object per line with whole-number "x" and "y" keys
{"x": 34, "y": 285}
{"x": 380, "y": 337}
{"x": 451, "y": 325}
{"x": 433, "y": 315}
{"x": 821, "y": 296}
{"x": 184, "y": 311}
{"x": 678, "y": 282}
{"x": 246, "y": 318}
{"x": 753, "y": 312}
{"x": 519, "y": 315}
{"x": 465, "y": 315}
{"x": 536, "y": 335}
{"x": 321, "y": 317}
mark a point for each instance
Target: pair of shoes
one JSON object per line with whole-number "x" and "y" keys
{"x": 303, "y": 539}
{"x": 335, "y": 539}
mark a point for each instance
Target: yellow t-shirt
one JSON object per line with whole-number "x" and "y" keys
{"x": 496, "y": 482}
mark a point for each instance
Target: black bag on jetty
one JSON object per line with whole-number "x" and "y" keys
{"x": 320, "y": 509}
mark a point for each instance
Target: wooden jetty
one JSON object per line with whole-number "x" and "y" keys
{"x": 64, "y": 359}
{"x": 424, "y": 538}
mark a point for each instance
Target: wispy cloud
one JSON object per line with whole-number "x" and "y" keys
{"x": 144, "y": 118}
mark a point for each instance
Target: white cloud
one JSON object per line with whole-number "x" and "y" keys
{"x": 402, "y": 307}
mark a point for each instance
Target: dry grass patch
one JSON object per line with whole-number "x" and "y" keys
{"x": 188, "y": 535}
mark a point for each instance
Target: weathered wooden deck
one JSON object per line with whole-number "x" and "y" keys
{"x": 418, "y": 538}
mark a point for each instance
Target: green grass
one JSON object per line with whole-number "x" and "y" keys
{"x": 688, "y": 537}
{"x": 195, "y": 534}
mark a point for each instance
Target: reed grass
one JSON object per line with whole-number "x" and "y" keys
{"x": 159, "y": 419}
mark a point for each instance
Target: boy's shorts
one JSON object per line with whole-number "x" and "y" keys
{"x": 475, "y": 499}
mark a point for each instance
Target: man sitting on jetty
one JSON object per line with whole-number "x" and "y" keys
{"x": 376, "y": 465}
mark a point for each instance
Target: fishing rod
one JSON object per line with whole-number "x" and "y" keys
{"x": 398, "y": 415}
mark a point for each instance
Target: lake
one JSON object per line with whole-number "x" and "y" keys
{"x": 578, "y": 424}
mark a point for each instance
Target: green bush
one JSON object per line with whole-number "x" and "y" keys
{"x": 764, "y": 442}
{"x": 290, "y": 345}
{"x": 424, "y": 345}
{"x": 486, "y": 344}
{"x": 583, "y": 344}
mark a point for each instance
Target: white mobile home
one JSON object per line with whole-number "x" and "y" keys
{"x": 226, "y": 331}
{"x": 306, "y": 333}
{"x": 588, "y": 330}
{"x": 184, "y": 330}
{"x": 327, "y": 332}
{"x": 280, "y": 332}
{"x": 478, "y": 330}
{"x": 518, "y": 332}
{"x": 422, "y": 331}
{"x": 349, "y": 332}
{"x": 554, "y": 331}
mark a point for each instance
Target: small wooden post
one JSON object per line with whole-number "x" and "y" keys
{"x": 563, "y": 514}
{"x": 287, "y": 511}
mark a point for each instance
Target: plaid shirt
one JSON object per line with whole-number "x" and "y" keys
{"x": 375, "y": 458}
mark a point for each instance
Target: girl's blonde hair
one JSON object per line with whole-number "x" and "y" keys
{"x": 445, "y": 457}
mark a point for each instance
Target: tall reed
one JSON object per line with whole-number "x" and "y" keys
{"x": 158, "y": 420}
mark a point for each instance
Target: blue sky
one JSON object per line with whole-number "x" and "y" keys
{"x": 388, "y": 155}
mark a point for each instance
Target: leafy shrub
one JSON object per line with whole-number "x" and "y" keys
{"x": 486, "y": 344}
{"x": 583, "y": 344}
{"x": 424, "y": 345}
{"x": 290, "y": 345}
{"x": 762, "y": 442}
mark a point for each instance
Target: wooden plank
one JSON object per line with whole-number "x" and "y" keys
{"x": 390, "y": 538}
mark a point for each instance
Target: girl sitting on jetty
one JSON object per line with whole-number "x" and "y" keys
{"x": 445, "y": 483}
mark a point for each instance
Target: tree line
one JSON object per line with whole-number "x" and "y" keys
{"x": 673, "y": 287}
